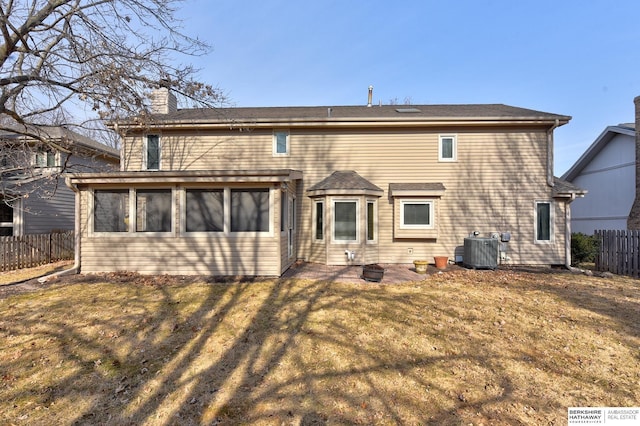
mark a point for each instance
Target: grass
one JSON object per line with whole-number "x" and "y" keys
{"x": 463, "y": 347}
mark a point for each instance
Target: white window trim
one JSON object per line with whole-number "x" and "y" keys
{"x": 551, "y": 239}
{"x": 57, "y": 160}
{"x": 333, "y": 220}
{"x": 145, "y": 151}
{"x": 287, "y": 144}
{"x": 428, "y": 202}
{"x": 454, "y": 147}
{"x": 375, "y": 222}
{"x": 315, "y": 220}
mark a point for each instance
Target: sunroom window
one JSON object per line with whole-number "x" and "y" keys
{"x": 204, "y": 210}
{"x": 111, "y": 210}
{"x": 250, "y": 210}
{"x": 153, "y": 210}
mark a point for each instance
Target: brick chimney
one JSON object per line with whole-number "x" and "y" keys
{"x": 163, "y": 101}
{"x": 633, "y": 221}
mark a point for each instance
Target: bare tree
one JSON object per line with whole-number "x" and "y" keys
{"x": 74, "y": 64}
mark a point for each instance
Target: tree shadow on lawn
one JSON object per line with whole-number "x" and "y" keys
{"x": 271, "y": 352}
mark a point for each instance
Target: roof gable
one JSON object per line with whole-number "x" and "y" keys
{"x": 601, "y": 141}
{"x": 344, "y": 182}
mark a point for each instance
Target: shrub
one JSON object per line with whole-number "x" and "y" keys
{"x": 584, "y": 248}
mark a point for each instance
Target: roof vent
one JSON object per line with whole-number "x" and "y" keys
{"x": 370, "y": 99}
{"x": 407, "y": 110}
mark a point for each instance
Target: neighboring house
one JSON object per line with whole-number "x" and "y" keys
{"x": 607, "y": 171}
{"x": 248, "y": 191}
{"x": 33, "y": 196}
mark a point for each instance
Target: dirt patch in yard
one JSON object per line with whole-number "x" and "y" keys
{"x": 462, "y": 347}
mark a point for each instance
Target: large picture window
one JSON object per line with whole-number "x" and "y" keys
{"x": 250, "y": 210}
{"x": 345, "y": 223}
{"x": 153, "y": 210}
{"x": 416, "y": 214}
{"x": 204, "y": 210}
{"x": 111, "y": 210}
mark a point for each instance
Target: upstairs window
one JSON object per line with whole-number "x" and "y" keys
{"x": 152, "y": 152}
{"x": 44, "y": 158}
{"x": 447, "y": 148}
{"x": 281, "y": 143}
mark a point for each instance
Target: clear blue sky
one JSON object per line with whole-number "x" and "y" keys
{"x": 577, "y": 58}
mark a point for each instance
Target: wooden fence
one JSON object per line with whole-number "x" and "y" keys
{"x": 619, "y": 252}
{"x": 34, "y": 250}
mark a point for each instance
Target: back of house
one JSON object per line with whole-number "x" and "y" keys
{"x": 249, "y": 191}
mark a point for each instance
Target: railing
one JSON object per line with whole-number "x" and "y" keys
{"x": 619, "y": 252}
{"x": 34, "y": 250}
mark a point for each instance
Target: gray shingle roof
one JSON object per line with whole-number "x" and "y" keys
{"x": 344, "y": 180}
{"x": 358, "y": 113}
{"x": 562, "y": 188}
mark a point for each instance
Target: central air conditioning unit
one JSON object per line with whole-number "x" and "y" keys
{"x": 481, "y": 253}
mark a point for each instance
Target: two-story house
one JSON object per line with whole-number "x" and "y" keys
{"x": 33, "y": 196}
{"x": 248, "y": 191}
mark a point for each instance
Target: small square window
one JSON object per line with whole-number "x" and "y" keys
{"x": 280, "y": 143}
{"x": 416, "y": 214}
{"x": 447, "y": 148}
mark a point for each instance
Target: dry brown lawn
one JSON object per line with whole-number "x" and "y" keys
{"x": 463, "y": 347}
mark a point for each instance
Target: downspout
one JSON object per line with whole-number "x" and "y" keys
{"x": 567, "y": 233}
{"x": 550, "y": 181}
{"x": 76, "y": 263}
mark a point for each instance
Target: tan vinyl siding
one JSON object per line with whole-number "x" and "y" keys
{"x": 182, "y": 256}
{"x": 492, "y": 187}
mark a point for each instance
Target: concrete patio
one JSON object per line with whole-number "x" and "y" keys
{"x": 393, "y": 274}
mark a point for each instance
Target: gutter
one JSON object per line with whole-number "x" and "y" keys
{"x": 75, "y": 269}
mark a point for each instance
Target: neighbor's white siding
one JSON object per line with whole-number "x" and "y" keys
{"x": 610, "y": 181}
